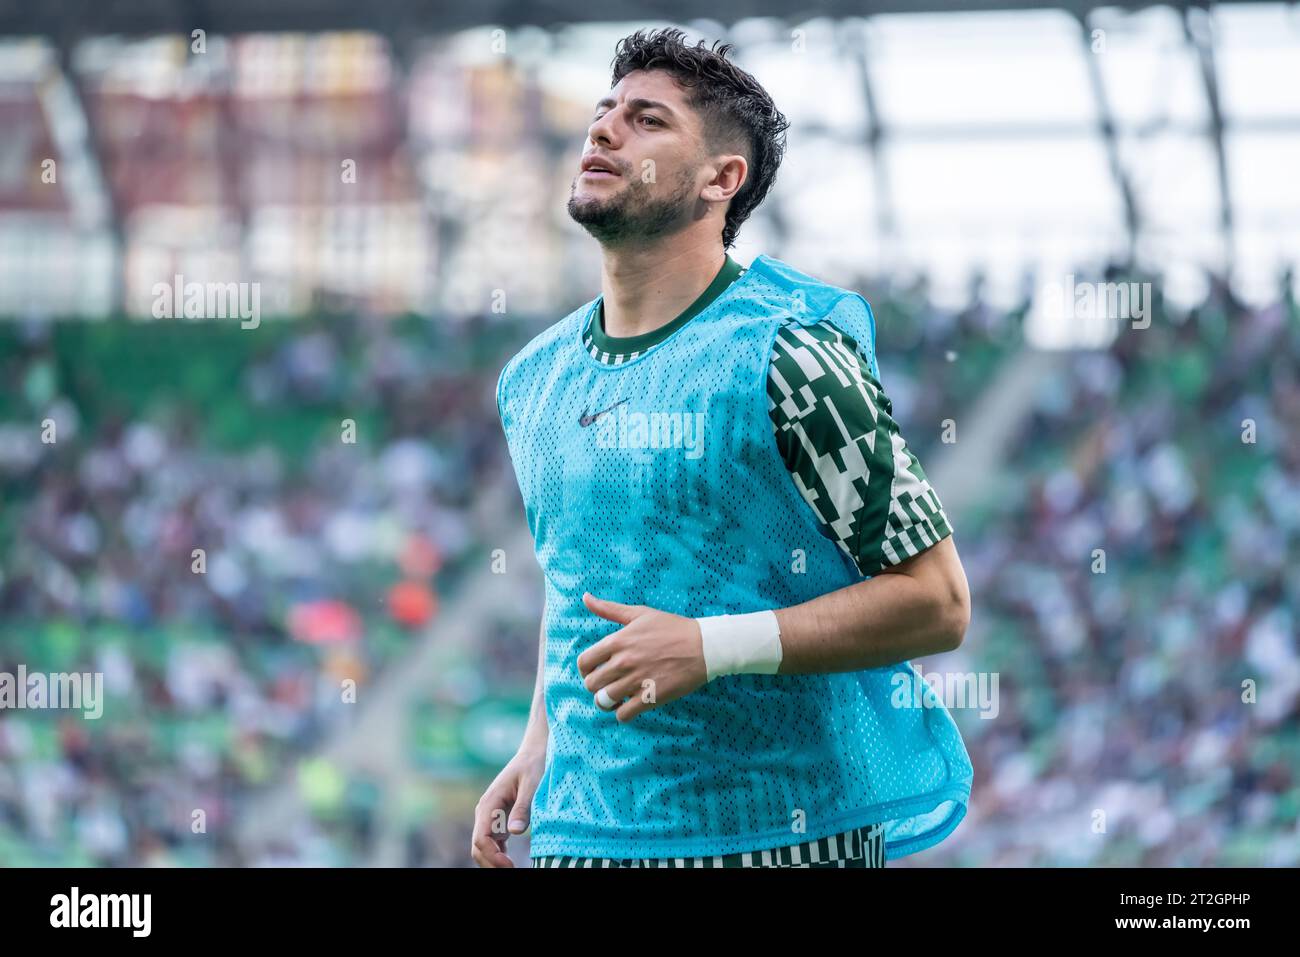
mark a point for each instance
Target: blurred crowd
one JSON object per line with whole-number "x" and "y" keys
{"x": 228, "y": 527}
{"x": 1136, "y": 586}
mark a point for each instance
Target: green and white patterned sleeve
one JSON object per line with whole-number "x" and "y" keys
{"x": 835, "y": 431}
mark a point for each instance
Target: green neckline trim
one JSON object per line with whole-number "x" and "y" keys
{"x": 624, "y": 345}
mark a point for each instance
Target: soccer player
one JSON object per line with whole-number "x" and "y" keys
{"x": 741, "y": 554}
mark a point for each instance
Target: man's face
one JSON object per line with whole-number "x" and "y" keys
{"x": 651, "y": 141}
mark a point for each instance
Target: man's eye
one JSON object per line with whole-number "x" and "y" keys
{"x": 653, "y": 119}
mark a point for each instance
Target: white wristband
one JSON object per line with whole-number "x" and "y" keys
{"x": 741, "y": 644}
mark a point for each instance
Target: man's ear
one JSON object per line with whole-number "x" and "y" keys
{"x": 732, "y": 172}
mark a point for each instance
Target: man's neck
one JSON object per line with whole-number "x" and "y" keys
{"x": 645, "y": 287}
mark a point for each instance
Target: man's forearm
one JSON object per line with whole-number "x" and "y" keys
{"x": 916, "y": 608}
{"x": 919, "y": 608}
{"x": 536, "y": 732}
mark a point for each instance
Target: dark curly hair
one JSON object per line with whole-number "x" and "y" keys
{"x": 738, "y": 113}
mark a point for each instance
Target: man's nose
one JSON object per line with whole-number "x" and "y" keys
{"x": 601, "y": 131}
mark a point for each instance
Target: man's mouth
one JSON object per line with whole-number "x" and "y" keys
{"x": 599, "y": 174}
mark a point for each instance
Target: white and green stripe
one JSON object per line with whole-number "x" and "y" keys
{"x": 860, "y": 847}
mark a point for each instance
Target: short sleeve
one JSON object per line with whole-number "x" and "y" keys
{"x": 837, "y": 436}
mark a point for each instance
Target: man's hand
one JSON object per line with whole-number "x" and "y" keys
{"x": 511, "y": 793}
{"x": 655, "y": 658}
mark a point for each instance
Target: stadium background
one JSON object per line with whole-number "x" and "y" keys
{"x": 951, "y": 161}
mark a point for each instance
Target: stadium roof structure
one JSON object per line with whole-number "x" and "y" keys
{"x": 397, "y": 18}
{"x": 1176, "y": 149}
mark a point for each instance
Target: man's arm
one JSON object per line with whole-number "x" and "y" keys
{"x": 918, "y": 607}
{"x": 537, "y": 730}
{"x": 835, "y": 431}
{"x": 506, "y": 806}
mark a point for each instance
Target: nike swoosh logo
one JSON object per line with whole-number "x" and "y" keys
{"x": 585, "y": 420}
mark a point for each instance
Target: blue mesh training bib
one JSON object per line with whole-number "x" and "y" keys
{"x": 658, "y": 482}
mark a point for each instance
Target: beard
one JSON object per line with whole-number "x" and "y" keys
{"x": 633, "y": 215}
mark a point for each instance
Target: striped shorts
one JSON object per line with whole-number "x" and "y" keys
{"x": 862, "y": 847}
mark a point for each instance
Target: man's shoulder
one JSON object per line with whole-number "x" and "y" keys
{"x": 553, "y": 337}
{"x": 795, "y": 297}
{"x": 802, "y": 297}
{"x": 811, "y": 310}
